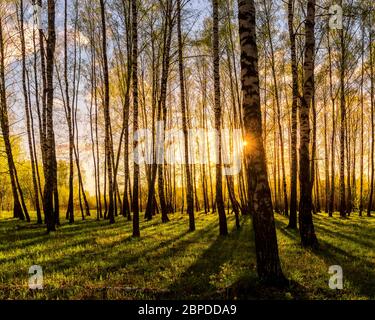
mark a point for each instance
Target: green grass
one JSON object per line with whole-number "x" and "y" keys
{"x": 95, "y": 260}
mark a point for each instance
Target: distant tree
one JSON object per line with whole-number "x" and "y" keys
{"x": 107, "y": 118}
{"x": 28, "y": 113}
{"x": 162, "y": 107}
{"x": 267, "y": 5}
{"x": 189, "y": 187}
{"x": 372, "y": 121}
{"x": 69, "y": 118}
{"x": 19, "y": 207}
{"x": 331, "y": 206}
{"x": 342, "y": 122}
{"x": 362, "y": 118}
{"x": 218, "y": 120}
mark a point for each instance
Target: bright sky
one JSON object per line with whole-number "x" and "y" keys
{"x": 199, "y": 10}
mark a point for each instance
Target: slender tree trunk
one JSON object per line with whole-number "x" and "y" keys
{"x": 151, "y": 199}
{"x": 332, "y": 192}
{"x": 97, "y": 135}
{"x": 125, "y": 200}
{"x": 354, "y": 166}
{"x": 278, "y": 110}
{"x": 162, "y": 108}
{"x": 371, "y": 192}
{"x": 342, "y": 124}
{"x": 306, "y": 226}
{"x": 218, "y": 119}
{"x": 362, "y": 122}
{"x": 348, "y": 164}
{"x": 135, "y": 203}
{"x": 313, "y": 149}
{"x": 50, "y": 165}
{"x": 70, "y": 208}
{"x": 28, "y": 115}
{"x": 37, "y": 100}
{"x": 92, "y": 137}
{"x": 17, "y": 208}
{"x": 107, "y": 118}
{"x": 326, "y": 159}
{"x": 230, "y": 178}
{"x": 189, "y": 187}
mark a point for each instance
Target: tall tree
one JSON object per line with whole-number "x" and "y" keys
{"x": 342, "y": 123}
{"x": 362, "y": 118}
{"x": 69, "y": 118}
{"x": 162, "y": 107}
{"x": 107, "y": 117}
{"x": 306, "y": 226}
{"x": 218, "y": 119}
{"x": 331, "y": 206}
{"x": 50, "y": 169}
{"x": 135, "y": 203}
{"x": 293, "y": 167}
{"x": 19, "y": 209}
{"x": 259, "y": 193}
{"x": 125, "y": 200}
{"x": 189, "y": 187}
{"x": 267, "y": 10}
{"x": 372, "y": 124}
{"x": 28, "y": 114}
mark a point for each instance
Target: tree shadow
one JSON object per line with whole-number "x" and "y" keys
{"x": 358, "y": 270}
{"x": 363, "y": 278}
{"x": 345, "y": 237}
{"x": 197, "y": 281}
{"x": 248, "y": 287}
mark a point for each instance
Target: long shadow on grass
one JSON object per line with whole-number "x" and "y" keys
{"x": 115, "y": 255}
{"x": 363, "y": 278}
{"x": 152, "y": 254}
{"x": 27, "y": 235}
{"x": 356, "y": 239}
{"x": 197, "y": 280}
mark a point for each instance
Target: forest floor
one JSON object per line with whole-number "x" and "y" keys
{"x": 95, "y": 260}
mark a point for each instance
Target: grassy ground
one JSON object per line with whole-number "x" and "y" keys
{"x": 95, "y": 260}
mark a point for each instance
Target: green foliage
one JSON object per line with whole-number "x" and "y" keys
{"x": 23, "y": 166}
{"x": 95, "y": 260}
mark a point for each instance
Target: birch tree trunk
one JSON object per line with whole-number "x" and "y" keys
{"x": 372, "y": 124}
{"x": 259, "y": 193}
{"x": 135, "y": 203}
{"x": 28, "y": 116}
{"x": 189, "y": 187}
{"x": 306, "y": 226}
{"x": 331, "y": 206}
{"x": 17, "y": 208}
{"x": 49, "y": 143}
{"x": 70, "y": 208}
{"x": 218, "y": 119}
{"x": 107, "y": 118}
